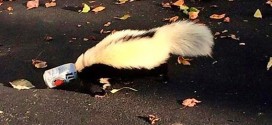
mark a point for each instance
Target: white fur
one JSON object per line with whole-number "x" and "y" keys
{"x": 180, "y": 38}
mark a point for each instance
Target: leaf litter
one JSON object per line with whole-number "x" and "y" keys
{"x": 116, "y": 90}
{"x": 32, "y": 4}
{"x": 21, "y": 84}
{"x": 190, "y": 102}
{"x": 39, "y": 64}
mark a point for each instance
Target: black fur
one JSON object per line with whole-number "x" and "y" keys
{"x": 90, "y": 76}
{"x": 148, "y": 34}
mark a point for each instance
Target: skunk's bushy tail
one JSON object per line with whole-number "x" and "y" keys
{"x": 187, "y": 38}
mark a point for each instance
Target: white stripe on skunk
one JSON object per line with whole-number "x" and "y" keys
{"x": 147, "y": 49}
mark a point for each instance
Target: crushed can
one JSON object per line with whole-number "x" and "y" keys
{"x": 60, "y": 75}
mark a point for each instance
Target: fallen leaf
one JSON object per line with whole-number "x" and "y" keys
{"x": 269, "y": 64}
{"x": 86, "y": 8}
{"x": 217, "y": 33}
{"x": 179, "y": 3}
{"x": 39, "y": 64}
{"x": 48, "y": 38}
{"x": 92, "y": 1}
{"x": 193, "y": 15}
{"x": 102, "y": 31}
{"x": 232, "y": 36}
{"x": 10, "y": 9}
{"x": 184, "y": 61}
{"x": 269, "y": 2}
{"x": 153, "y": 119}
{"x": 21, "y": 84}
{"x": 190, "y": 102}
{"x": 116, "y": 90}
{"x": 242, "y": 44}
{"x": 50, "y": 4}
{"x": 98, "y": 9}
{"x": 32, "y": 4}
{"x": 171, "y": 19}
{"x": 107, "y": 24}
{"x": 258, "y": 14}
{"x": 226, "y": 19}
{"x": 217, "y": 16}
{"x": 166, "y": 4}
{"x": 224, "y": 31}
{"x": 121, "y": 1}
{"x": 85, "y": 39}
{"x": 126, "y": 16}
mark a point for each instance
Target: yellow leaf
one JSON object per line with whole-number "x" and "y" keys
{"x": 116, "y": 90}
{"x": 126, "y": 16}
{"x": 258, "y": 14}
{"x": 86, "y": 8}
{"x": 98, "y": 9}
{"x": 269, "y": 64}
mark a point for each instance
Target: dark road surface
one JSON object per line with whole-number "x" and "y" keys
{"x": 234, "y": 85}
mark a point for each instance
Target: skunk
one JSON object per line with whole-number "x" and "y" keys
{"x": 144, "y": 49}
{"x": 147, "y": 49}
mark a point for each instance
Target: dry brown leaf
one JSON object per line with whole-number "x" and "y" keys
{"x": 102, "y": 31}
{"x": 184, "y": 61}
{"x": 269, "y": 2}
{"x": 166, "y": 5}
{"x": 107, "y": 24}
{"x": 179, "y": 3}
{"x": 217, "y": 16}
{"x": 50, "y": 4}
{"x": 121, "y": 1}
{"x": 98, "y": 9}
{"x": 226, "y": 19}
{"x": 10, "y": 9}
{"x": 171, "y": 19}
{"x": 39, "y": 64}
{"x": 126, "y": 16}
{"x": 48, "y": 38}
{"x": 190, "y": 102}
{"x": 32, "y": 4}
{"x": 153, "y": 119}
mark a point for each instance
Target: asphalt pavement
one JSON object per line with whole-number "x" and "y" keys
{"x": 234, "y": 85}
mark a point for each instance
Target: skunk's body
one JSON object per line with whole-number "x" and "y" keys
{"x": 147, "y": 49}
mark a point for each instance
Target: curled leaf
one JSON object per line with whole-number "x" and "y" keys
{"x": 153, "y": 119}
{"x": 10, "y": 9}
{"x": 39, "y": 64}
{"x": 190, "y": 102}
{"x": 184, "y": 61}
